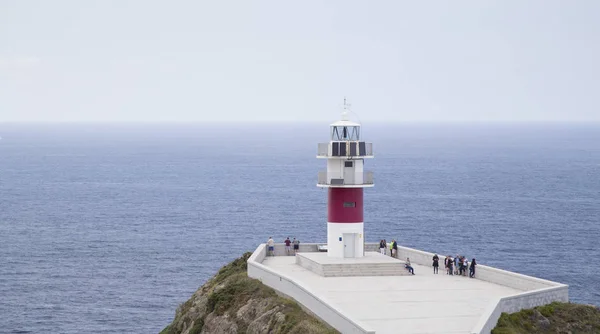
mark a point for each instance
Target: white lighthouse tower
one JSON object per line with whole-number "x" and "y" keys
{"x": 345, "y": 179}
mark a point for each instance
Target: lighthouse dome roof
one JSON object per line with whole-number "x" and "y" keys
{"x": 345, "y": 123}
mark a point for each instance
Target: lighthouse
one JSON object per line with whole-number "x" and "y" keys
{"x": 345, "y": 179}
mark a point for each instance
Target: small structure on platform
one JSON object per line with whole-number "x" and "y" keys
{"x": 371, "y": 264}
{"x": 345, "y": 179}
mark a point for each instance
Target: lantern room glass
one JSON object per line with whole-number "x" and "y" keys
{"x": 345, "y": 133}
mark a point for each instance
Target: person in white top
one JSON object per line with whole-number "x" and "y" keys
{"x": 271, "y": 246}
{"x": 296, "y": 244}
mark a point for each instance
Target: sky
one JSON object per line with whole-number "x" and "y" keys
{"x": 207, "y": 61}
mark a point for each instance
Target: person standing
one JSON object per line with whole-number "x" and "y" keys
{"x": 385, "y": 248}
{"x": 436, "y": 263}
{"x": 446, "y": 260}
{"x": 296, "y": 244}
{"x": 271, "y": 246}
{"x": 394, "y": 248}
{"x": 288, "y": 248}
{"x": 450, "y": 264}
{"x": 472, "y": 268}
{"x": 381, "y": 247}
{"x": 456, "y": 259}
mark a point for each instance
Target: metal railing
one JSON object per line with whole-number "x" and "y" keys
{"x": 324, "y": 179}
{"x": 369, "y": 148}
{"x": 368, "y": 178}
{"x": 324, "y": 150}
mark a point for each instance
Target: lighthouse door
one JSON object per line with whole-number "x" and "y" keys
{"x": 349, "y": 244}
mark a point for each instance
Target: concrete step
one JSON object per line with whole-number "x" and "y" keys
{"x": 365, "y": 267}
{"x": 396, "y": 270}
{"x": 364, "y": 271}
{"x": 372, "y": 267}
{"x": 378, "y": 273}
{"x": 338, "y": 274}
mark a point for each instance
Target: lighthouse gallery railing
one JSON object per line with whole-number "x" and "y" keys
{"x": 325, "y": 180}
{"x": 345, "y": 149}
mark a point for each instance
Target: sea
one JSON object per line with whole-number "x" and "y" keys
{"x": 108, "y": 227}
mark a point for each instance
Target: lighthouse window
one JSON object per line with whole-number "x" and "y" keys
{"x": 349, "y": 204}
{"x": 345, "y": 133}
{"x": 335, "y": 149}
{"x": 348, "y": 163}
{"x": 361, "y": 148}
{"x": 343, "y": 149}
{"x": 353, "y": 149}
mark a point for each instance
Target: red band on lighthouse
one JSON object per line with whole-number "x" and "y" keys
{"x": 345, "y": 205}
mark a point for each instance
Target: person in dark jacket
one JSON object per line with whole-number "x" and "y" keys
{"x": 382, "y": 246}
{"x": 409, "y": 267}
{"x": 446, "y": 260}
{"x": 472, "y": 268}
{"x": 436, "y": 264}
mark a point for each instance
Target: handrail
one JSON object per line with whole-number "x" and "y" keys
{"x": 325, "y": 150}
{"x": 324, "y": 179}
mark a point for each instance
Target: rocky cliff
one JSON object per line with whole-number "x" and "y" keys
{"x": 552, "y": 318}
{"x": 231, "y": 302}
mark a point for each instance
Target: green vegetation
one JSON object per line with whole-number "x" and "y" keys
{"x": 551, "y": 318}
{"x": 233, "y": 302}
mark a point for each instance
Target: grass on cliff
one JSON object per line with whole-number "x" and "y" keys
{"x": 238, "y": 289}
{"x": 551, "y": 318}
{"x": 231, "y": 289}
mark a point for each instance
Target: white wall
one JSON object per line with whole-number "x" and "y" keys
{"x": 520, "y": 301}
{"x": 335, "y": 169}
{"x": 482, "y": 272}
{"x": 335, "y": 247}
{"x": 308, "y": 247}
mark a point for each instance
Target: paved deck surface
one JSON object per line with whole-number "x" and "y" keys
{"x": 423, "y": 303}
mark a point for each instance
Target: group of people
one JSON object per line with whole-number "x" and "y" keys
{"x": 393, "y": 246}
{"x": 458, "y": 265}
{"x": 288, "y": 246}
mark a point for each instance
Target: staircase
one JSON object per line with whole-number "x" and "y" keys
{"x": 372, "y": 265}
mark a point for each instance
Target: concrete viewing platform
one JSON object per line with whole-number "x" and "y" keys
{"x": 423, "y": 303}
{"x": 400, "y": 303}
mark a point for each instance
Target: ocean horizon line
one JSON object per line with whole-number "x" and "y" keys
{"x": 275, "y": 122}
